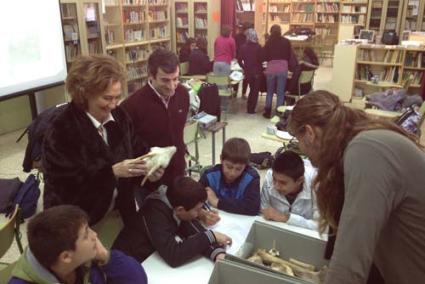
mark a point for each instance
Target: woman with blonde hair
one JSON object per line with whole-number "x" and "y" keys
{"x": 88, "y": 150}
{"x": 370, "y": 189}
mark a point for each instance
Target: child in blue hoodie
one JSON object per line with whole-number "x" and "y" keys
{"x": 63, "y": 249}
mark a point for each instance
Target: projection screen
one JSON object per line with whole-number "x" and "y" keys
{"x": 31, "y": 46}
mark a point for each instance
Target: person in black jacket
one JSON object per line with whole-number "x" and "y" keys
{"x": 88, "y": 154}
{"x": 277, "y": 52}
{"x": 186, "y": 49}
{"x": 309, "y": 62}
{"x": 172, "y": 228}
{"x": 250, "y": 60}
{"x": 199, "y": 62}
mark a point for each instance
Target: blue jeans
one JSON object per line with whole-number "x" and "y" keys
{"x": 221, "y": 68}
{"x": 276, "y": 84}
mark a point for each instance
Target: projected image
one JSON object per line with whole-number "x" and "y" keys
{"x": 32, "y": 51}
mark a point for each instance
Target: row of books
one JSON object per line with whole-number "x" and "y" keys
{"x": 353, "y": 19}
{"x": 95, "y": 47}
{"x": 280, "y": 19}
{"x": 353, "y": 9}
{"x": 137, "y": 72}
{"x": 388, "y": 56}
{"x": 324, "y": 31}
{"x": 201, "y": 7}
{"x": 201, "y": 23}
{"x": 134, "y": 2}
{"x": 134, "y": 16}
{"x": 182, "y": 22}
{"x": 388, "y": 74}
{"x": 68, "y": 11}
{"x": 157, "y": 15}
{"x": 414, "y": 59}
{"x": 131, "y": 35}
{"x": 280, "y": 9}
{"x": 158, "y": 2}
{"x": 324, "y": 18}
{"x": 307, "y": 8}
{"x": 181, "y": 37}
{"x": 138, "y": 53}
{"x": 327, "y": 7}
{"x": 70, "y": 31}
{"x": 302, "y": 18}
{"x": 417, "y": 76}
{"x": 72, "y": 51}
{"x": 158, "y": 32}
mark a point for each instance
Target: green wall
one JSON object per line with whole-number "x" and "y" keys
{"x": 16, "y": 113}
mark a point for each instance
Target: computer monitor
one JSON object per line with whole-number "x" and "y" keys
{"x": 369, "y": 35}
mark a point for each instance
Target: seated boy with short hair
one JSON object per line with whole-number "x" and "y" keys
{"x": 63, "y": 249}
{"x": 233, "y": 185}
{"x": 171, "y": 225}
{"x": 287, "y": 195}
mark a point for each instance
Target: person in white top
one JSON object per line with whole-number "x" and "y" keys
{"x": 287, "y": 194}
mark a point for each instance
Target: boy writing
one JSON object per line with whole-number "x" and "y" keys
{"x": 286, "y": 195}
{"x": 170, "y": 218}
{"x": 233, "y": 185}
{"x": 63, "y": 249}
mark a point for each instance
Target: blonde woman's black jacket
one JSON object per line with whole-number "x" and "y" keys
{"x": 78, "y": 164}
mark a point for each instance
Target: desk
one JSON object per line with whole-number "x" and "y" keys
{"x": 199, "y": 270}
{"x": 216, "y": 127}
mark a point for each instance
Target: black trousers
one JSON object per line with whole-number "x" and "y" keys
{"x": 254, "y": 82}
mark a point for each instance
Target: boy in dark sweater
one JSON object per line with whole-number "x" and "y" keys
{"x": 171, "y": 224}
{"x": 233, "y": 185}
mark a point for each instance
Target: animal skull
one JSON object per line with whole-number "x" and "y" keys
{"x": 156, "y": 158}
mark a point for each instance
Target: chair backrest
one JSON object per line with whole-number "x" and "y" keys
{"x": 7, "y": 232}
{"x": 190, "y": 132}
{"x": 184, "y": 68}
{"x": 306, "y": 77}
{"x": 219, "y": 80}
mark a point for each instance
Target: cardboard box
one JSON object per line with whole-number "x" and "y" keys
{"x": 229, "y": 272}
{"x": 290, "y": 245}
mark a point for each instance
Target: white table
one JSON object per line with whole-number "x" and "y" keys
{"x": 199, "y": 270}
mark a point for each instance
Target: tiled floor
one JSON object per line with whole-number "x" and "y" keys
{"x": 241, "y": 124}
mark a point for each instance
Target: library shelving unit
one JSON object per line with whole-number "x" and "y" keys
{"x": 279, "y": 12}
{"x": 303, "y": 13}
{"x": 133, "y": 29}
{"x": 354, "y": 12}
{"x": 261, "y": 19}
{"x": 355, "y": 65}
{"x": 327, "y": 18}
{"x": 411, "y": 19}
{"x": 385, "y": 15}
{"x": 195, "y": 18}
{"x": 82, "y": 28}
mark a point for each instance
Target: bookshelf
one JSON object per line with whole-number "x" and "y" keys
{"x": 411, "y": 12}
{"x": 133, "y": 29}
{"x": 355, "y": 65}
{"x": 354, "y": 12}
{"x": 385, "y": 15}
{"x": 195, "y": 18}
{"x": 82, "y": 28}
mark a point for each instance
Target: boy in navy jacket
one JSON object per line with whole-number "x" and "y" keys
{"x": 63, "y": 249}
{"x": 233, "y": 185}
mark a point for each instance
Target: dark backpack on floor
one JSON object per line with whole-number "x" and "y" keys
{"x": 36, "y": 131}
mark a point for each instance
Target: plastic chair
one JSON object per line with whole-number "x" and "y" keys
{"x": 224, "y": 89}
{"x": 191, "y": 135}
{"x": 10, "y": 231}
{"x": 305, "y": 77}
{"x": 108, "y": 228}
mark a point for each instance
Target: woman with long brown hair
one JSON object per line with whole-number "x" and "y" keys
{"x": 370, "y": 189}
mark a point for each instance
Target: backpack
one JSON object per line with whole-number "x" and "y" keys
{"x": 262, "y": 160}
{"x": 26, "y": 197}
{"x": 8, "y": 190}
{"x": 210, "y": 100}
{"x": 36, "y": 131}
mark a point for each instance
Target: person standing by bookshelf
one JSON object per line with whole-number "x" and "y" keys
{"x": 224, "y": 51}
{"x": 276, "y": 52}
{"x": 250, "y": 60}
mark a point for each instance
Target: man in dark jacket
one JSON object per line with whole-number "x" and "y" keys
{"x": 171, "y": 224}
{"x": 63, "y": 249}
{"x": 159, "y": 111}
